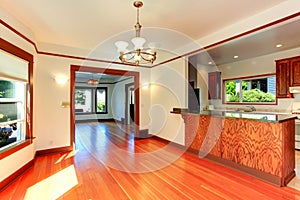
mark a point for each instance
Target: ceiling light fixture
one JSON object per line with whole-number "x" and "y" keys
{"x": 279, "y": 45}
{"x": 93, "y": 81}
{"x": 235, "y": 57}
{"x": 139, "y": 55}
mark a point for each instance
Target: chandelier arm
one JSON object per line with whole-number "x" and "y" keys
{"x": 149, "y": 54}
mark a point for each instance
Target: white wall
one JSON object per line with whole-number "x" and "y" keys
{"x": 168, "y": 90}
{"x": 18, "y": 159}
{"x": 52, "y": 123}
{"x": 118, "y": 99}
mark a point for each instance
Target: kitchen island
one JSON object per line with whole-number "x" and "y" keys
{"x": 262, "y": 145}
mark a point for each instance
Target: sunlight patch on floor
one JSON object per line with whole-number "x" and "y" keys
{"x": 53, "y": 186}
{"x": 67, "y": 156}
{"x": 72, "y": 154}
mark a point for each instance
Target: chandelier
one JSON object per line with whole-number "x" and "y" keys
{"x": 139, "y": 55}
{"x": 93, "y": 81}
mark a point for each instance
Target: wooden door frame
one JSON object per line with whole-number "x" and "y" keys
{"x": 78, "y": 68}
{"x": 126, "y": 102}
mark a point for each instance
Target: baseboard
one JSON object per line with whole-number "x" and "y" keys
{"x": 10, "y": 179}
{"x": 53, "y": 150}
{"x": 247, "y": 170}
{"x": 165, "y": 141}
{"x": 94, "y": 120}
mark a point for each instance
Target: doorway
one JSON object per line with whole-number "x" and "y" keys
{"x": 129, "y": 104}
{"x": 135, "y": 86}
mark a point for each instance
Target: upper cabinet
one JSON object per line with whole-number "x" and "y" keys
{"x": 287, "y": 75}
{"x": 214, "y": 85}
{"x": 282, "y": 79}
{"x": 295, "y": 71}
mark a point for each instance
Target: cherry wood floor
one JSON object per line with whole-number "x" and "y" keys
{"x": 81, "y": 175}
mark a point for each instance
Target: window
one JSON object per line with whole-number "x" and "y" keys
{"x": 83, "y": 100}
{"x": 12, "y": 112}
{"x": 251, "y": 90}
{"x": 16, "y": 101}
{"x": 90, "y": 100}
{"x": 101, "y": 100}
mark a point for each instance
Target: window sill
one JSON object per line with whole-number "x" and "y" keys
{"x": 14, "y": 148}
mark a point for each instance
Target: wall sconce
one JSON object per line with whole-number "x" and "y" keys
{"x": 61, "y": 80}
{"x": 145, "y": 85}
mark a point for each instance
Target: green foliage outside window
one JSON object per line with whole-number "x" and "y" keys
{"x": 80, "y": 97}
{"x": 101, "y": 107}
{"x": 248, "y": 95}
{"x": 6, "y": 89}
{"x": 256, "y": 95}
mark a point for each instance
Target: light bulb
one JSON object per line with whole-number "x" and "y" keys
{"x": 138, "y": 42}
{"x": 121, "y": 45}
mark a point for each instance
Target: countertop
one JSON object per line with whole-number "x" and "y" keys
{"x": 257, "y": 116}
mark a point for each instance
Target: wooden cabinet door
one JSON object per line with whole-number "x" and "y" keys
{"x": 295, "y": 71}
{"x": 214, "y": 85}
{"x": 282, "y": 79}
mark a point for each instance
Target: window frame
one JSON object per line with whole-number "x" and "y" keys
{"x": 246, "y": 78}
{"x": 20, "y": 53}
{"x": 92, "y": 100}
{"x": 106, "y": 103}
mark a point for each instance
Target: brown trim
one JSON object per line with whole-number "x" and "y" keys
{"x": 18, "y": 52}
{"x": 167, "y": 142}
{"x": 231, "y": 38}
{"x": 164, "y": 62}
{"x": 143, "y": 134}
{"x": 88, "y": 59}
{"x": 15, "y": 148}
{"x": 19, "y": 34}
{"x": 10, "y": 179}
{"x": 53, "y": 150}
{"x": 78, "y": 68}
{"x": 250, "y": 171}
{"x": 126, "y": 101}
{"x": 250, "y": 77}
{"x": 94, "y": 120}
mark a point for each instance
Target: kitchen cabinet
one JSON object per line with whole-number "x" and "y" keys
{"x": 283, "y": 79}
{"x": 244, "y": 143}
{"x": 295, "y": 71}
{"x": 214, "y": 85}
{"x": 287, "y": 75}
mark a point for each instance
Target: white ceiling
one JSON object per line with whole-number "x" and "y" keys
{"x": 83, "y": 77}
{"x": 256, "y": 44}
{"x": 85, "y": 24}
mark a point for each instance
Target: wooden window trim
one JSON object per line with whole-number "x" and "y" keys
{"x": 242, "y": 78}
{"x": 18, "y": 52}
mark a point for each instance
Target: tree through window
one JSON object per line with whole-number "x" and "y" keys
{"x": 261, "y": 89}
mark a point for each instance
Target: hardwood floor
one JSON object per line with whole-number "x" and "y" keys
{"x": 88, "y": 174}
